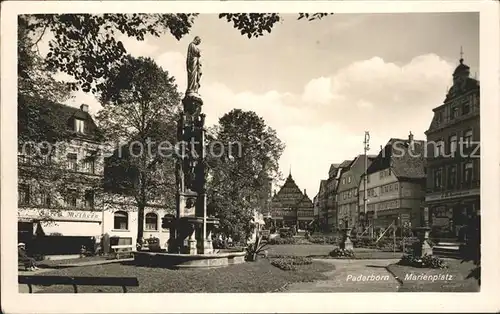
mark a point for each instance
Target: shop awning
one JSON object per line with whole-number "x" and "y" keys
{"x": 71, "y": 229}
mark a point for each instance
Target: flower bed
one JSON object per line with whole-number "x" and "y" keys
{"x": 323, "y": 239}
{"x": 427, "y": 261}
{"x": 290, "y": 262}
{"x": 342, "y": 253}
{"x": 278, "y": 241}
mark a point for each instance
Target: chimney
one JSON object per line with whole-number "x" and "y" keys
{"x": 305, "y": 193}
{"x": 84, "y": 108}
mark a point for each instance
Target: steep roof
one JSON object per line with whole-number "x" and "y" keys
{"x": 42, "y": 119}
{"x": 406, "y": 162}
{"x": 290, "y": 195}
{"x": 346, "y": 163}
{"x": 356, "y": 170}
{"x": 305, "y": 202}
{"x": 466, "y": 84}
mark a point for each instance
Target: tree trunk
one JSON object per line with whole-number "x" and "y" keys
{"x": 140, "y": 222}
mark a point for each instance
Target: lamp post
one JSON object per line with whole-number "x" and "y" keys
{"x": 366, "y": 148}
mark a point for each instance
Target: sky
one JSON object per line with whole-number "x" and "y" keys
{"x": 321, "y": 84}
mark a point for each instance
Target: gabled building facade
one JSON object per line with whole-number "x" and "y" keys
{"x": 291, "y": 207}
{"x": 322, "y": 209}
{"x": 348, "y": 202}
{"x": 453, "y": 163}
{"x": 328, "y": 196}
{"x": 395, "y": 185}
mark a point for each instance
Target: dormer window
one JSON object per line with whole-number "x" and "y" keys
{"x": 79, "y": 126}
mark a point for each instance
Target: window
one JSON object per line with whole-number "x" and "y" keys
{"x": 439, "y": 151}
{"x": 350, "y": 194}
{"x": 24, "y": 194}
{"x": 396, "y": 186}
{"x": 452, "y": 176}
{"x": 45, "y": 155}
{"x": 466, "y": 108}
{"x": 45, "y": 199}
{"x": 344, "y": 195}
{"x": 453, "y": 144}
{"x": 151, "y": 221}
{"x": 71, "y": 198}
{"x": 79, "y": 126}
{"x": 343, "y": 181}
{"x": 120, "y": 220}
{"x": 89, "y": 164}
{"x": 454, "y": 113}
{"x": 439, "y": 117}
{"x": 389, "y": 172}
{"x": 72, "y": 162}
{"x": 468, "y": 167}
{"x": 89, "y": 199}
{"x": 438, "y": 178}
{"x": 468, "y": 138}
{"x": 348, "y": 179}
{"x": 381, "y": 174}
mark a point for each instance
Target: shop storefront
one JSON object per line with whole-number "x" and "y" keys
{"x": 58, "y": 232}
{"x": 451, "y": 213}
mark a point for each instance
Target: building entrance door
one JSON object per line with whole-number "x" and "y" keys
{"x": 459, "y": 221}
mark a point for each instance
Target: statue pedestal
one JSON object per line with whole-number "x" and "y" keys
{"x": 346, "y": 243}
{"x": 191, "y": 247}
{"x": 205, "y": 246}
{"x": 422, "y": 247}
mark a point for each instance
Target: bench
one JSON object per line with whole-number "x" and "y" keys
{"x": 21, "y": 263}
{"x": 123, "y": 282}
{"x": 119, "y": 250}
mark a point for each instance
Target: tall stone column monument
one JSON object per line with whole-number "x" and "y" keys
{"x": 191, "y": 229}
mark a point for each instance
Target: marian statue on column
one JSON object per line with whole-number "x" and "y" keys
{"x": 193, "y": 64}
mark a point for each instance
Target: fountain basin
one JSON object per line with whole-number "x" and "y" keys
{"x": 171, "y": 260}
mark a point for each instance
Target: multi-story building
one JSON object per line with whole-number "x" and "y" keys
{"x": 57, "y": 183}
{"x": 316, "y": 207}
{"x": 61, "y": 201}
{"x": 291, "y": 207}
{"x": 322, "y": 212}
{"x": 453, "y": 164}
{"x": 395, "y": 185}
{"x": 328, "y": 197}
{"x": 348, "y": 203}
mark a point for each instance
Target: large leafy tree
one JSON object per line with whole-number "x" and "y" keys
{"x": 42, "y": 128}
{"x": 243, "y": 155}
{"x": 36, "y": 85}
{"x": 85, "y": 46}
{"x": 140, "y": 103}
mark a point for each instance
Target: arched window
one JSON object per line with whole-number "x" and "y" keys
{"x": 151, "y": 221}
{"x": 121, "y": 220}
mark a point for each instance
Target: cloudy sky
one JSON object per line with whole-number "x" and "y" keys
{"x": 321, "y": 84}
